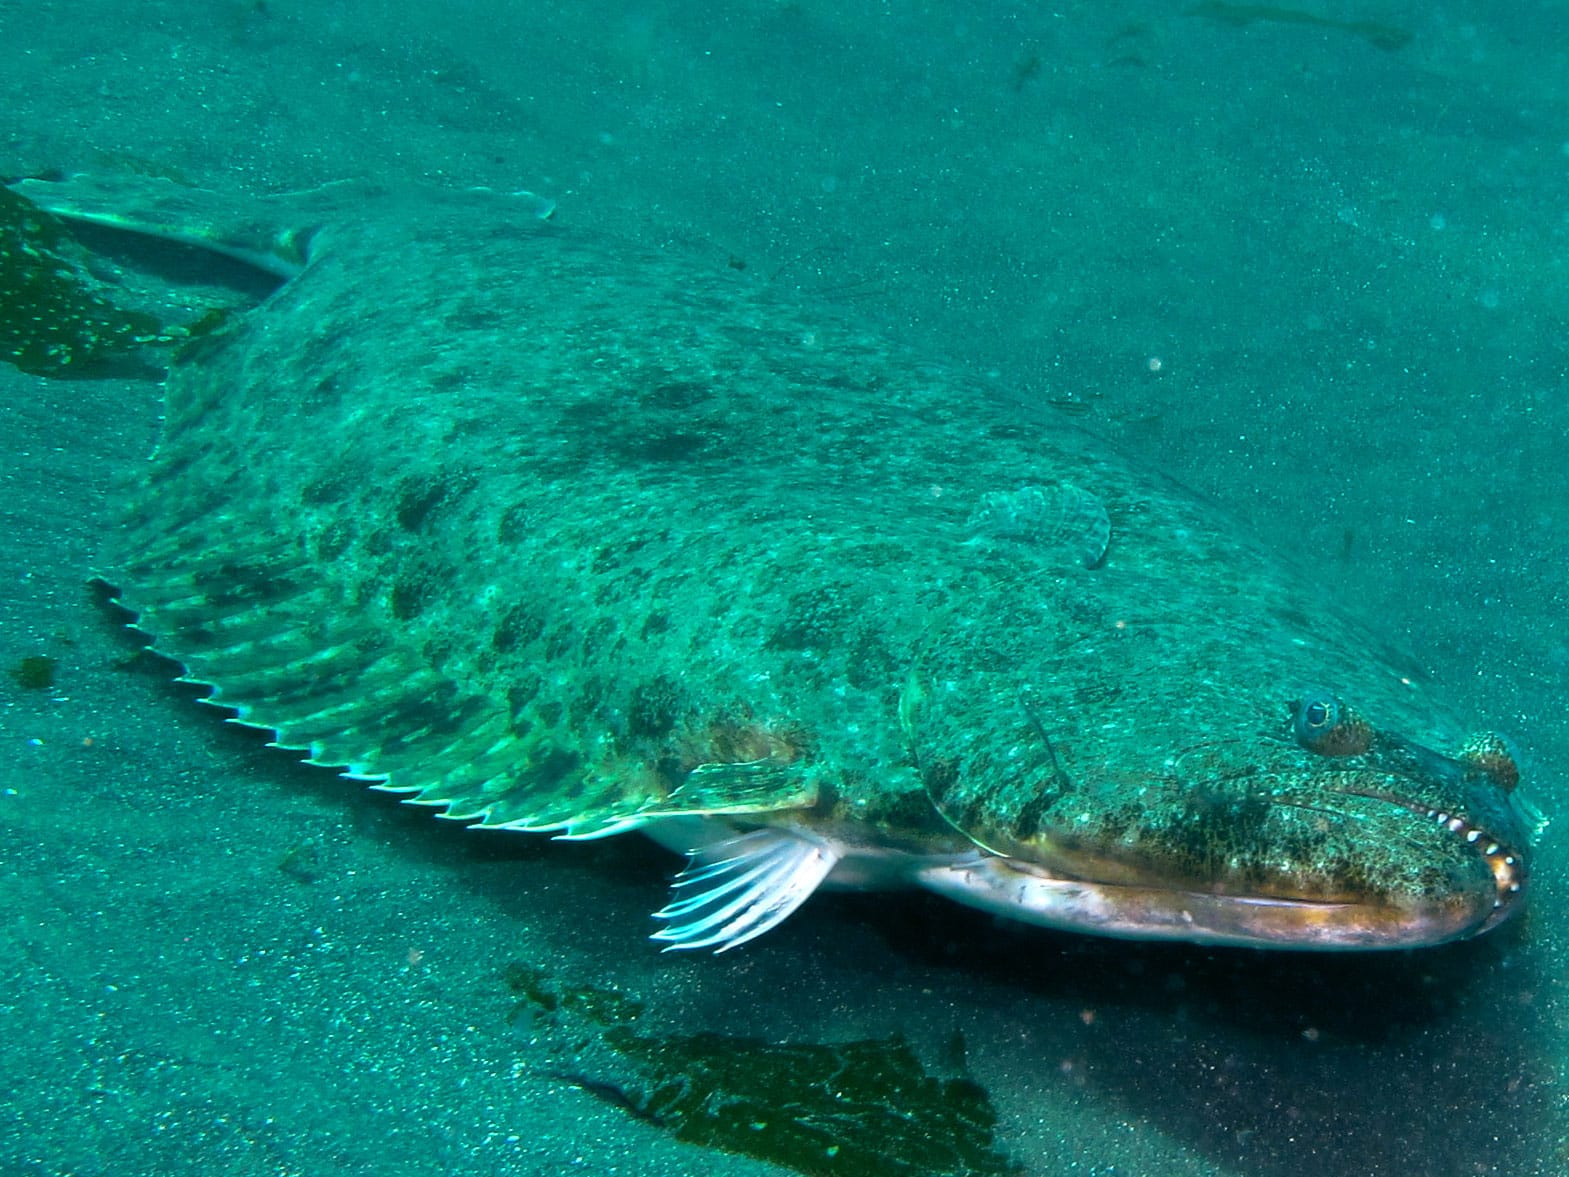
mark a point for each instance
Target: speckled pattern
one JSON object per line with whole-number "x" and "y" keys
{"x": 532, "y": 525}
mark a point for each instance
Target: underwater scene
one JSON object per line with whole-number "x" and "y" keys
{"x": 947, "y": 589}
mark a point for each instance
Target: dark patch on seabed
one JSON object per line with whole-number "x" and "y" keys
{"x": 54, "y": 319}
{"x": 63, "y": 313}
{"x": 854, "y": 1109}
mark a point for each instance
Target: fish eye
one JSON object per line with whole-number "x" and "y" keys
{"x": 1325, "y": 725}
{"x": 1318, "y": 713}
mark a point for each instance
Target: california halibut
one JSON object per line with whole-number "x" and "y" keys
{"x": 557, "y": 533}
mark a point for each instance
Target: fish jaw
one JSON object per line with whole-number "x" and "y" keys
{"x": 1355, "y": 857}
{"x": 1023, "y": 892}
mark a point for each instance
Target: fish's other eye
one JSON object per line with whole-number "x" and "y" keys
{"x": 1325, "y": 725}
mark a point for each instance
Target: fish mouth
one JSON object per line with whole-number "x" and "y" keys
{"x": 1504, "y": 861}
{"x": 1275, "y": 914}
{"x": 1021, "y": 891}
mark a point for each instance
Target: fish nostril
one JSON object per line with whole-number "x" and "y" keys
{"x": 1490, "y": 754}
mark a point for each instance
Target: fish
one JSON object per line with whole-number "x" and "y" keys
{"x": 555, "y": 532}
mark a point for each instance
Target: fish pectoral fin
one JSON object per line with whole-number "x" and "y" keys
{"x": 753, "y": 786}
{"x": 606, "y": 803}
{"x": 710, "y": 790}
{"x": 735, "y": 890}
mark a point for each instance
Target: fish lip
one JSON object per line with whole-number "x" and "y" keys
{"x": 1029, "y": 893}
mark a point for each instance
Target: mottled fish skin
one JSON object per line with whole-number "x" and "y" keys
{"x": 561, "y": 533}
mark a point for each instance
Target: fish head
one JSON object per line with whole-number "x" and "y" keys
{"x": 1171, "y": 801}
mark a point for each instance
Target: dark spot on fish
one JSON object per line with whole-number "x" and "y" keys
{"x": 421, "y": 497}
{"x": 655, "y": 623}
{"x": 334, "y": 540}
{"x": 1112, "y": 826}
{"x": 870, "y": 662}
{"x": 1293, "y": 618}
{"x": 438, "y": 652}
{"x": 318, "y": 351}
{"x": 447, "y": 379}
{"x": 654, "y": 707}
{"x": 876, "y": 554}
{"x": 628, "y": 583}
{"x": 814, "y": 620}
{"x": 584, "y": 414}
{"x": 325, "y": 392}
{"x": 1380, "y": 36}
{"x": 674, "y": 446}
{"x": 1233, "y": 815}
{"x": 561, "y": 642}
{"x": 549, "y": 712}
{"x": 562, "y": 768}
{"x": 1025, "y": 70}
{"x": 612, "y": 557}
{"x": 379, "y": 542}
{"x": 1097, "y": 695}
{"x": 678, "y": 395}
{"x": 330, "y": 490}
{"x": 519, "y": 626}
{"x": 670, "y": 770}
{"x": 588, "y": 706}
{"x": 909, "y": 809}
{"x": 411, "y": 593}
{"x": 513, "y": 525}
{"x": 598, "y": 641}
{"x": 170, "y": 468}
{"x": 1005, "y": 433}
{"x": 197, "y": 637}
{"x": 334, "y": 488}
{"x": 475, "y": 316}
{"x": 519, "y": 695}
{"x": 1210, "y": 828}
{"x": 371, "y": 647}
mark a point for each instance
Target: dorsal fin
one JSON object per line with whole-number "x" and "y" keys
{"x": 271, "y": 232}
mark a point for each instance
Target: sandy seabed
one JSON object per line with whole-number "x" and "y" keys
{"x": 1312, "y": 268}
